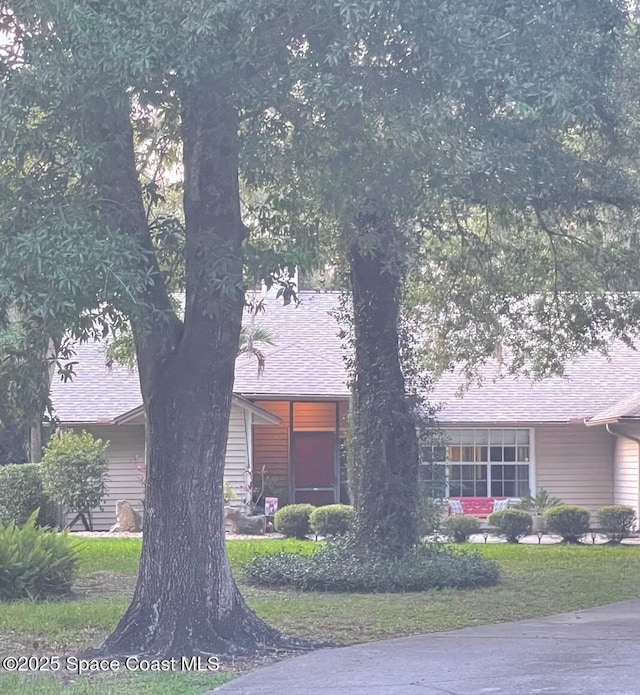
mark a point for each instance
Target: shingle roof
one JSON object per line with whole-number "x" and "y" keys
{"x": 627, "y": 408}
{"x": 592, "y": 383}
{"x": 306, "y": 361}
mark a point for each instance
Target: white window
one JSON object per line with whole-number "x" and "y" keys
{"x": 478, "y": 463}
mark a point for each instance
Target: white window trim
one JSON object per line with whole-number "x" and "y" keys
{"x": 530, "y": 462}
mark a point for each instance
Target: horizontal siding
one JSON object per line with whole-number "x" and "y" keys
{"x": 626, "y": 480}
{"x": 236, "y": 461}
{"x": 271, "y": 448}
{"x": 575, "y": 463}
{"x": 314, "y": 417}
{"x": 125, "y": 454}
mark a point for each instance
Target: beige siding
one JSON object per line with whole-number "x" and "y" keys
{"x": 237, "y": 461}
{"x": 126, "y": 455}
{"x": 626, "y": 481}
{"x": 575, "y": 463}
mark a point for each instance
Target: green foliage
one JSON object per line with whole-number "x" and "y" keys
{"x": 332, "y": 520}
{"x": 513, "y": 524}
{"x": 35, "y": 563}
{"x": 338, "y": 567}
{"x": 616, "y": 521}
{"x": 21, "y": 493}
{"x": 432, "y": 515}
{"x": 460, "y": 527}
{"x": 567, "y": 520}
{"x": 538, "y": 503}
{"x": 75, "y": 471}
{"x": 294, "y": 520}
{"x": 228, "y": 493}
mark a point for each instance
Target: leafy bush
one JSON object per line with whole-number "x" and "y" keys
{"x": 459, "y": 528}
{"x": 35, "y": 562}
{"x": 293, "y": 521}
{"x": 538, "y": 503}
{"x": 513, "y": 524}
{"x": 616, "y": 521}
{"x": 332, "y": 519}
{"x": 21, "y": 493}
{"x": 75, "y": 471}
{"x": 567, "y": 520}
{"x": 228, "y": 493}
{"x": 337, "y": 567}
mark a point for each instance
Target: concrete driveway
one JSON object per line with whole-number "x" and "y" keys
{"x": 590, "y": 652}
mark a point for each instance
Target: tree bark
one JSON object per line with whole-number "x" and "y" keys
{"x": 384, "y": 447}
{"x": 186, "y": 601}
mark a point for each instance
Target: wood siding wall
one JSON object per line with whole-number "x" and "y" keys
{"x": 575, "y": 463}
{"x": 271, "y": 449}
{"x": 126, "y": 454}
{"x": 626, "y": 481}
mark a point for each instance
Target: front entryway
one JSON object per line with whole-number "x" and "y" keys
{"x": 314, "y": 468}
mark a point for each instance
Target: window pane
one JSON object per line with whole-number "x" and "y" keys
{"x": 466, "y": 436}
{"x": 467, "y": 472}
{"x": 522, "y": 489}
{"x": 482, "y": 437}
{"x": 454, "y": 488}
{"x": 523, "y": 473}
{"x": 496, "y": 453}
{"x": 454, "y": 453}
{"x": 509, "y": 489}
{"x": 468, "y": 453}
{"x": 523, "y": 436}
{"x": 509, "y": 453}
{"x": 452, "y": 436}
{"x": 482, "y": 453}
{"x": 481, "y": 472}
{"x": 468, "y": 489}
{"x": 496, "y": 488}
{"x": 495, "y": 436}
{"x": 509, "y": 436}
{"x": 481, "y": 489}
{"x": 509, "y": 472}
{"x": 455, "y": 472}
{"x": 523, "y": 453}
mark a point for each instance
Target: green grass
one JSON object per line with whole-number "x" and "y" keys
{"x": 142, "y": 684}
{"x": 537, "y": 581}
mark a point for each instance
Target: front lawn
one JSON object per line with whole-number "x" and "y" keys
{"x": 537, "y": 580}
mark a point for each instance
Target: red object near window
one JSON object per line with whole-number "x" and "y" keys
{"x": 480, "y": 507}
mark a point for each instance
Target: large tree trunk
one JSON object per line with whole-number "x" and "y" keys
{"x": 384, "y": 451}
{"x": 186, "y": 601}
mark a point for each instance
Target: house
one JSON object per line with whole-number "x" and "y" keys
{"x": 578, "y": 436}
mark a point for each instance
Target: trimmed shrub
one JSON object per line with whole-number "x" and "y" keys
{"x": 336, "y": 567}
{"x": 21, "y": 493}
{"x": 75, "y": 471}
{"x": 616, "y": 521}
{"x": 35, "y": 563}
{"x": 512, "y": 524}
{"x": 293, "y": 520}
{"x": 567, "y": 520}
{"x": 332, "y": 520}
{"x": 460, "y": 527}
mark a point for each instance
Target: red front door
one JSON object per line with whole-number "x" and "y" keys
{"x": 314, "y": 468}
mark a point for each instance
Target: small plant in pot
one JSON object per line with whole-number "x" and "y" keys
{"x": 537, "y": 505}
